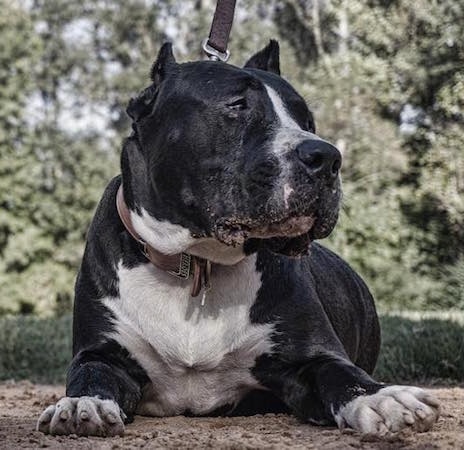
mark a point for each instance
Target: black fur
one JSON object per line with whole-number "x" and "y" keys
{"x": 199, "y": 157}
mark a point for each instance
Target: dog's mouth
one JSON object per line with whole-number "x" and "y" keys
{"x": 235, "y": 231}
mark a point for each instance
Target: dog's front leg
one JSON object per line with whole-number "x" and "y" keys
{"x": 102, "y": 393}
{"x": 328, "y": 388}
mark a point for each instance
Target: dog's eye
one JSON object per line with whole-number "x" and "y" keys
{"x": 238, "y": 104}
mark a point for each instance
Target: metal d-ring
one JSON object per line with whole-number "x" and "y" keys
{"x": 214, "y": 54}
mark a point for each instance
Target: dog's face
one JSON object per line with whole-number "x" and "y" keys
{"x": 232, "y": 153}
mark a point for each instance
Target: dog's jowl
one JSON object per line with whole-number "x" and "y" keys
{"x": 201, "y": 290}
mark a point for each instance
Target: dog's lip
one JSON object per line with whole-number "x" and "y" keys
{"x": 236, "y": 231}
{"x": 290, "y": 227}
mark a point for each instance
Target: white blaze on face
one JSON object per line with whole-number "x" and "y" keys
{"x": 287, "y": 191}
{"x": 288, "y": 134}
{"x": 286, "y": 121}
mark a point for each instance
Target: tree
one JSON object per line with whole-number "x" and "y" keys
{"x": 384, "y": 78}
{"x": 49, "y": 181}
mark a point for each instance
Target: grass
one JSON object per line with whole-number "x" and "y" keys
{"x": 422, "y": 348}
{"x": 35, "y": 349}
{"x": 417, "y": 348}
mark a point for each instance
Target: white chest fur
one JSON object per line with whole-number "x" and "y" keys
{"x": 198, "y": 358}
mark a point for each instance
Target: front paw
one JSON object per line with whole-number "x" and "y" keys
{"x": 84, "y": 416}
{"x": 390, "y": 410}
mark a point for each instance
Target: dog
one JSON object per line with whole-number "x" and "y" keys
{"x": 202, "y": 291}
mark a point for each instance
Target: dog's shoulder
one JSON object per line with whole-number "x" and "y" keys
{"x": 319, "y": 278}
{"x": 106, "y": 218}
{"x": 320, "y": 264}
{"x": 325, "y": 264}
{"x": 107, "y": 240}
{"x": 335, "y": 278}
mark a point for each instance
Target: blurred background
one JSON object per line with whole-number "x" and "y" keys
{"x": 385, "y": 80}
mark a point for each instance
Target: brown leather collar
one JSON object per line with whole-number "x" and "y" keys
{"x": 181, "y": 265}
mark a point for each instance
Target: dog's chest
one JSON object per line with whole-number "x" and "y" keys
{"x": 197, "y": 357}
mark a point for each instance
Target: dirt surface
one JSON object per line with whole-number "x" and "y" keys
{"x": 21, "y": 403}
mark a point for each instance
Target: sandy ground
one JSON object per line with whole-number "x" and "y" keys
{"x": 21, "y": 403}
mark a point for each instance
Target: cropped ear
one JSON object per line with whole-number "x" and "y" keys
{"x": 142, "y": 104}
{"x": 266, "y": 59}
{"x": 163, "y": 64}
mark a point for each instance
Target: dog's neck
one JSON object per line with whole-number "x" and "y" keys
{"x": 183, "y": 265}
{"x": 171, "y": 239}
{"x": 161, "y": 234}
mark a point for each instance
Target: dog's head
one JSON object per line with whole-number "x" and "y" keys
{"x": 231, "y": 153}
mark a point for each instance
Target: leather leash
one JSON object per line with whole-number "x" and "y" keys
{"x": 180, "y": 265}
{"x": 215, "y": 46}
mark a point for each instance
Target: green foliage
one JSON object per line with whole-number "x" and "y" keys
{"x": 413, "y": 351}
{"x": 49, "y": 181}
{"x": 35, "y": 349}
{"x": 424, "y": 351}
{"x": 16, "y": 56}
{"x": 360, "y": 65}
{"x": 402, "y": 224}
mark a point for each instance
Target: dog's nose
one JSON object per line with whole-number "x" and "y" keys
{"x": 319, "y": 157}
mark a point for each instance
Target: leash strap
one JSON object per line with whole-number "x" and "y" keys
{"x": 215, "y": 46}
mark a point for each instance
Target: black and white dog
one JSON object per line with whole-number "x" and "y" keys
{"x": 224, "y": 174}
